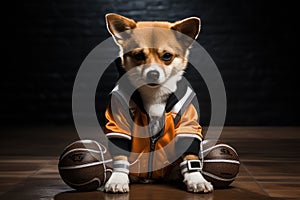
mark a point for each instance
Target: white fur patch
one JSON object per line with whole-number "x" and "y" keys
{"x": 118, "y": 182}
{"x": 156, "y": 110}
{"x": 196, "y": 183}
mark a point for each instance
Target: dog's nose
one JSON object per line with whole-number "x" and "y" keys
{"x": 152, "y": 75}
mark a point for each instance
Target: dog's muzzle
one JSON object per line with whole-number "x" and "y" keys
{"x": 152, "y": 77}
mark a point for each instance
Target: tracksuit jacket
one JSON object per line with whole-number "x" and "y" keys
{"x": 152, "y": 145}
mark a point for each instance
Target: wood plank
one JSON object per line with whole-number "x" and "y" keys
{"x": 269, "y": 167}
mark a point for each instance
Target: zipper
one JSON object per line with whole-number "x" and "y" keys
{"x": 153, "y": 141}
{"x": 151, "y": 155}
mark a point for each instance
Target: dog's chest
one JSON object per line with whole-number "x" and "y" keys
{"x": 155, "y": 123}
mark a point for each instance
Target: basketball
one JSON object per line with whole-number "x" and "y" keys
{"x": 85, "y": 165}
{"x": 220, "y": 164}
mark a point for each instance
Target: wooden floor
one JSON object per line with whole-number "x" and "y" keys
{"x": 270, "y": 167}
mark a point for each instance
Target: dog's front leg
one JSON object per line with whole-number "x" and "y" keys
{"x": 193, "y": 179}
{"x": 119, "y": 180}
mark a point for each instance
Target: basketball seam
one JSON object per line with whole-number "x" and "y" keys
{"x": 80, "y": 141}
{"x": 217, "y": 177}
{"x": 85, "y": 165}
{"x": 219, "y": 145}
{"x": 82, "y": 184}
{"x": 222, "y": 160}
{"x": 79, "y": 149}
{"x": 86, "y": 141}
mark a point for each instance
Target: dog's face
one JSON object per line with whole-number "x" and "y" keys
{"x": 154, "y": 52}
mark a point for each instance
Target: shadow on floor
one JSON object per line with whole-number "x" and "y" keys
{"x": 162, "y": 192}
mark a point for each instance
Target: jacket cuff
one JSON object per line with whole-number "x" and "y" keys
{"x": 119, "y": 146}
{"x": 187, "y": 145}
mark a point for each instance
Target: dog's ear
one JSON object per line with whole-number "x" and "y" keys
{"x": 189, "y": 26}
{"x": 117, "y": 25}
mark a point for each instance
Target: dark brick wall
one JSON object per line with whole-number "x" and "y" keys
{"x": 252, "y": 42}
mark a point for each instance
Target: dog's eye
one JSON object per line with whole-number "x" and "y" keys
{"x": 167, "y": 56}
{"x": 139, "y": 56}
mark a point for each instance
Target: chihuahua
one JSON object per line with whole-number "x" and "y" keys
{"x": 152, "y": 119}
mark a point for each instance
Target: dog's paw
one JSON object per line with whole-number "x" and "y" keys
{"x": 118, "y": 182}
{"x": 196, "y": 183}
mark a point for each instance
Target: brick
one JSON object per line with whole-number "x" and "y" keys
{"x": 253, "y": 44}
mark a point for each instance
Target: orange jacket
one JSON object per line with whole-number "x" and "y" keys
{"x": 150, "y": 156}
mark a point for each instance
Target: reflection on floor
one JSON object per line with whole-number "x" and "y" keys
{"x": 270, "y": 167}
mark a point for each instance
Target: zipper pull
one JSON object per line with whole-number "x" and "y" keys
{"x": 152, "y": 146}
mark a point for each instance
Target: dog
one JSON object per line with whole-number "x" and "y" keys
{"x": 162, "y": 118}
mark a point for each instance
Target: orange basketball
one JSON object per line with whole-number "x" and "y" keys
{"x": 85, "y": 165}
